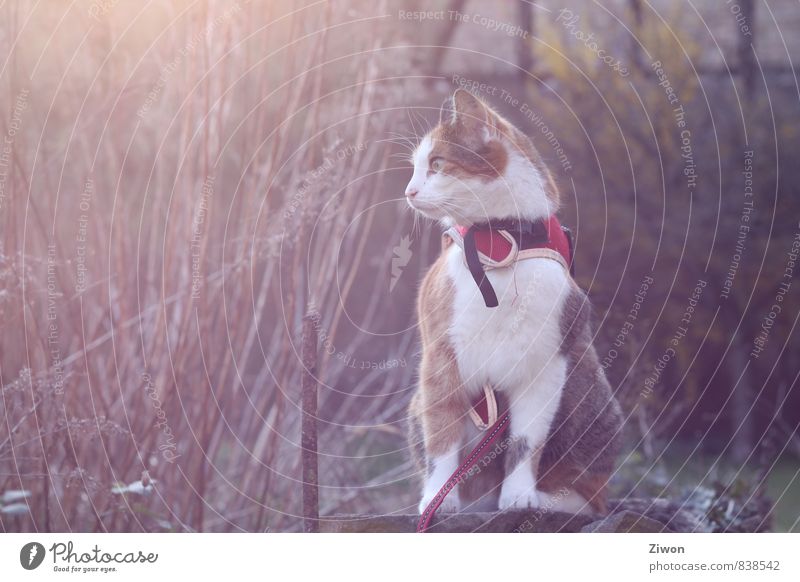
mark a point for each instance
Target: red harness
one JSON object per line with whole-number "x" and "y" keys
{"x": 492, "y": 244}
{"x": 499, "y": 243}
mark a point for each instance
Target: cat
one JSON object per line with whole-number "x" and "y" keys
{"x": 534, "y": 348}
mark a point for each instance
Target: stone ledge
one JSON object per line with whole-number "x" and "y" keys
{"x": 530, "y": 521}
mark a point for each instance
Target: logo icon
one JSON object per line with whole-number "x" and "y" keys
{"x": 31, "y": 555}
{"x": 402, "y": 255}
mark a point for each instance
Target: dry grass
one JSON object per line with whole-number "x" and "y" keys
{"x": 165, "y": 224}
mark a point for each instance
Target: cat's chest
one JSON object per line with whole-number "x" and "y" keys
{"x": 510, "y": 344}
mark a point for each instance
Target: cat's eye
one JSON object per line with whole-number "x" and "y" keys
{"x": 437, "y": 164}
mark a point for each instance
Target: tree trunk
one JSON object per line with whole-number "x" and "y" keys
{"x": 747, "y": 64}
{"x": 525, "y": 45}
{"x": 741, "y": 416}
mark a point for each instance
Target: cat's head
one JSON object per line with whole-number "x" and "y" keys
{"x": 475, "y": 166}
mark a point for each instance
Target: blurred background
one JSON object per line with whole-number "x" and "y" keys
{"x": 180, "y": 182}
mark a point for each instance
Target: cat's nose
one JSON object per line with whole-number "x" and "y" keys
{"x": 411, "y": 192}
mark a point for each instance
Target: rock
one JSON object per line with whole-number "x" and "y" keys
{"x": 625, "y": 521}
{"x": 675, "y": 515}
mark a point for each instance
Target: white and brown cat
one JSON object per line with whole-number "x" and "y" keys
{"x": 534, "y": 348}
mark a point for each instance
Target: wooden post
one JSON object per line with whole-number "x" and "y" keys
{"x": 308, "y": 438}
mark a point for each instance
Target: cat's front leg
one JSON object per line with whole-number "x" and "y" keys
{"x": 532, "y": 413}
{"x": 441, "y": 409}
{"x": 441, "y": 468}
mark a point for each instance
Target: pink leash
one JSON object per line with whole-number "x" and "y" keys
{"x": 492, "y": 435}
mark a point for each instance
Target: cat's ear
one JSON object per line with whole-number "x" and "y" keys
{"x": 469, "y": 110}
{"x": 447, "y": 114}
{"x": 472, "y": 114}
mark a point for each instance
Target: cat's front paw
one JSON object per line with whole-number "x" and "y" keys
{"x": 511, "y": 499}
{"x": 451, "y": 503}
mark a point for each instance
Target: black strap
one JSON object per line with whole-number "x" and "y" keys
{"x": 476, "y": 269}
{"x": 527, "y": 235}
{"x": 568, "y": 232}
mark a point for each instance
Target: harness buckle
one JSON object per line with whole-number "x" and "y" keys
{"x": 489, "y": 399}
